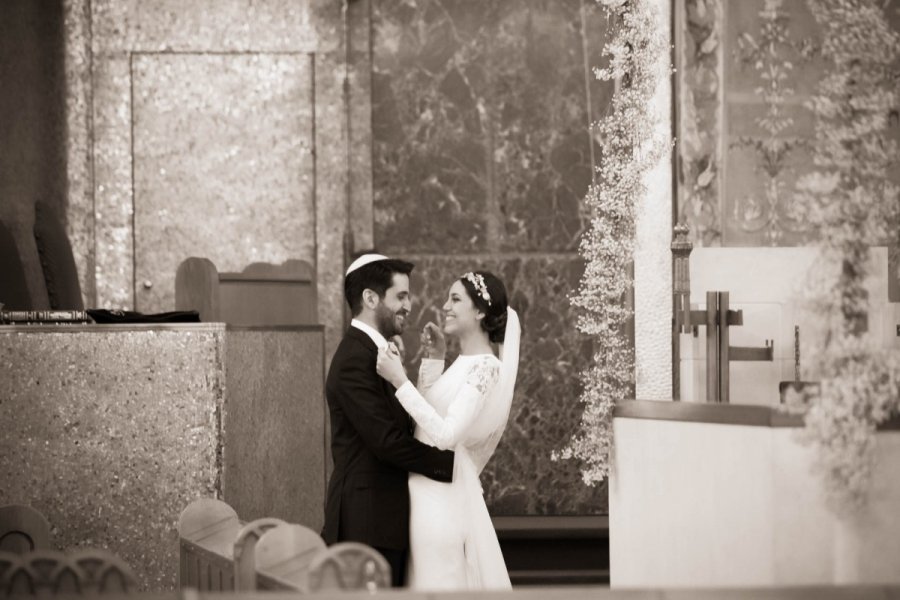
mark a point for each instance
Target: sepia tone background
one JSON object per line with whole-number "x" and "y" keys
{"x": 453, "y": 133}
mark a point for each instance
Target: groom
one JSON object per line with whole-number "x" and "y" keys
{"x": 371, "y": 435}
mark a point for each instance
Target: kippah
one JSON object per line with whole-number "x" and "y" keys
{"x": 364, "y": 260}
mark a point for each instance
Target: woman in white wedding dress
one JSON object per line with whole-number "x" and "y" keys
{"x": 453, "y": 544}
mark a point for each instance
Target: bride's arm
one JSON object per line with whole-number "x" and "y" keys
{"x": 429, "y": 371}
{"x": 446, "y": 432}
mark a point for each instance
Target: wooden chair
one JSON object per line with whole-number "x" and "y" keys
{"x": 262, "y": 294}
{"x": 284, "y": 555}
{"x": 207, "y": 529}
{"x": 245, "y": 552}
{"x": 349, "y": 566}
{"x": 16, "y": 576}
{"x": 53, "y": 573}
{"x": 103, "y": 572}
{"x": 23, "y": 529}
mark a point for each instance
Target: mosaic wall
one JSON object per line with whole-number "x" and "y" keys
{"x": 744, "y": 128}
{"x": 481, "y": 156}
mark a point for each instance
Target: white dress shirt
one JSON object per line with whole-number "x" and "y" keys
{"x": 373, "y": 333}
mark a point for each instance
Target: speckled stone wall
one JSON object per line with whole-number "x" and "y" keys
{"x": 275, "y": 437}
{"x": 111, "y": 431}
{"x": 481, "y": 156}
{"x": 222, "y": 151}
{"x": 110, "y": 435}
{"x": 201, "y": 108}
{"x": 213, "y": 128}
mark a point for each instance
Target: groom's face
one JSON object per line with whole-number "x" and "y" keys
{"x": 393, "y": 310}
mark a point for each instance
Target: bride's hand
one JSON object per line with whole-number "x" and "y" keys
{"x": 390, "y": 367}
{"x": 433, "y": 341}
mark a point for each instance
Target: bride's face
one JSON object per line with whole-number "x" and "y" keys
{"x": 460, "y": 313}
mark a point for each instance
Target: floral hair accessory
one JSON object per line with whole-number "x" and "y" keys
{"x": 480, "y": 286}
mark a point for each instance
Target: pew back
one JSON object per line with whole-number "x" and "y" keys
{"x": 261, "y": 294}
{"x": 23, "y": 529}
{"x": 284, "y": 555}
{"x": 207, "y": 529}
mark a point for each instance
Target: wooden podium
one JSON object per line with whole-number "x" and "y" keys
{"x": 262, "y": 294}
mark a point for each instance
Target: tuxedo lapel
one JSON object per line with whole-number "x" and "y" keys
{"x": 389, "y": 390}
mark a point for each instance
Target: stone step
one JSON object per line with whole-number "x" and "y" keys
{"x": 555, "y": 550}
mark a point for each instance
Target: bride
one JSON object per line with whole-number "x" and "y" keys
{"x": 465, "y": 408}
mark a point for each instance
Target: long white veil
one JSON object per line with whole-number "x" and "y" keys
{"x": 486, "y": 432}
{"x": 484, "y": 560}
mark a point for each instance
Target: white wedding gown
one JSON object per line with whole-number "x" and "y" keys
{"x": 453, "y": 545}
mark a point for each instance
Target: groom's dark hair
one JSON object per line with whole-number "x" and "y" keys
{"x": 377, "y": 276}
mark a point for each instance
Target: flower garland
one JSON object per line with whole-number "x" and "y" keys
{"x": 630, "y": 147}
{"x": 854, "y": 205}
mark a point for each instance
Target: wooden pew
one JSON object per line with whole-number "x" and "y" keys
{"x": 49, "y": 573}
{"x": 284, "y": 556}
{"x": 245, "y": 551}
{"x": 349, "y": 566}
{"x": 218, "y": 553}
{"x": 262, "y": 294}
{"x": 207, "y": 529}
{"x": 23, "y": 529}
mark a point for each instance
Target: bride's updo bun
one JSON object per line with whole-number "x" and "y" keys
{"x": 479, "y": 284}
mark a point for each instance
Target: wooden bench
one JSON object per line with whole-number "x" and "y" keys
{"x": 219, "y": 553}
{"x": 48, "y": 572}
{"x": 262, "y": 294}
{"x": 23, "y": 529}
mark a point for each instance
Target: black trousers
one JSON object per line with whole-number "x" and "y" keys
{"x": 397, "y": 560}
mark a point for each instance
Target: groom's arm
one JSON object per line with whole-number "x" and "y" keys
{"x": 367, "y": 409}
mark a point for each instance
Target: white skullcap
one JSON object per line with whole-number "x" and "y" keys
{"x": 363, "y": 261}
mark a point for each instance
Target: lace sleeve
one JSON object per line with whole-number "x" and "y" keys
{"x": 483, "y": 375}
{"x": 448, "y": 431}
{"x": 429, "y": 371}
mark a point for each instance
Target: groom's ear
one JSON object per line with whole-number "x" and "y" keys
{"x": 370, "y": 298}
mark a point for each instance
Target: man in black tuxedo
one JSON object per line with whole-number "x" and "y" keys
{"x": 371, "y": 435}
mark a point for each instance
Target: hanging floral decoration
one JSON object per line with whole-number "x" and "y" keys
{"x": 854, "y": 205}
{"x": 631, "y": 145}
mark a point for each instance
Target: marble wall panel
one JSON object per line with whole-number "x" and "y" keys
{"x": 222, "y": 164}
{"x": 274, "y": 416}
{"x": 521, "y": 478}
{"x": 480, "y": 123}
{"x": 481, "y": 155}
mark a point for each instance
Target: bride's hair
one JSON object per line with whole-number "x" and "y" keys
{"x": 489, "y": 296}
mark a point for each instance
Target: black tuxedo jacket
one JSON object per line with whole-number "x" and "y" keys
{"x": 373, "y": 450}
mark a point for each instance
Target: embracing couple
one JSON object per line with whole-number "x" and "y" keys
{"x": 407, "y": 459}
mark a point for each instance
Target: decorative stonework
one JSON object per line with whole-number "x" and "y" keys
{"x": 700, "y": 56}
{"x": 772, "y": 56}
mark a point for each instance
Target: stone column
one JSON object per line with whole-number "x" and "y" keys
{"x": 652, "y": 260}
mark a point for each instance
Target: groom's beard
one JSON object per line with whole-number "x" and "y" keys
{"x": 389, "y": 322}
